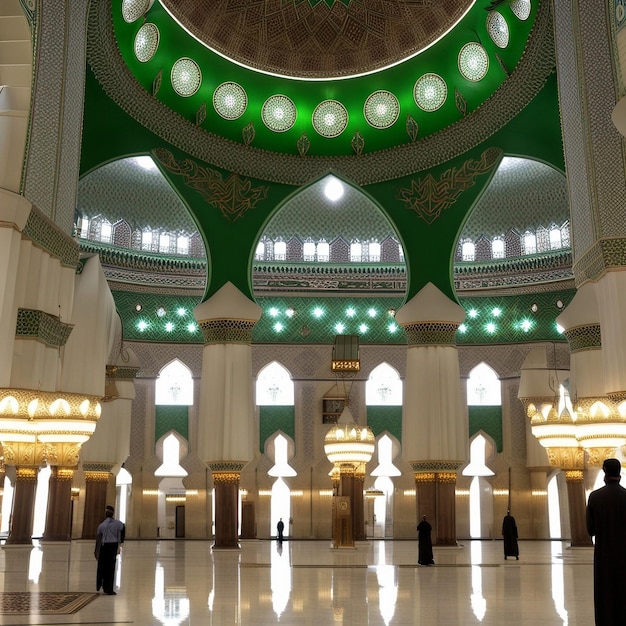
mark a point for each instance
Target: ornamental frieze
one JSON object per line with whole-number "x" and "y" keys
{"x": 234, "y": 195}
{"x": 429, "y": 196}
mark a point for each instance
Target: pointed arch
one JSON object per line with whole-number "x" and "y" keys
{"x": 383, "y": 397}
{"x": 275, "y": 397}
{"x": 274, "y": 385}
{"x": 484, "y": 403}
{"x": 174, "y": 384}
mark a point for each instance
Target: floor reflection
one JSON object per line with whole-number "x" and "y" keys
{"x": 478, "y": 601}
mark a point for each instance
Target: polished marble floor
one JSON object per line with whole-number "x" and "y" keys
{"x": 180, "y": 582}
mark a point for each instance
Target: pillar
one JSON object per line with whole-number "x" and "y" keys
{"x": 23, "y": 508}
{"x": 358, "y": 505}
{"x": 227, "y": 432}
{"x": 577, "y": 503}
{"x": 436, "y": 499}
{"x": 96, "y": 486}
{"x": 59, "y": 512}
{"x": 226, "y": 485}
{"x": 434, "y": 428}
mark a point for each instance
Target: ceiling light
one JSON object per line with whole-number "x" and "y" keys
{"x": 333, "y": 189}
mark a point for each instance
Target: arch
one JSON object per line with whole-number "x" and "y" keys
{"x": 171, "y": 449}
{"x": 384, "y": 386}
{"x": 174, "y": 384}
{"x": 274, "y": 385}
{"x": 355, "y": 217}
{"x": 483, "y": 386}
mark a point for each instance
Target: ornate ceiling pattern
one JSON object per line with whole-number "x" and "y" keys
{"x": 315, "y": 39}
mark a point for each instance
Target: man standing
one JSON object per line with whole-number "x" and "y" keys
{"x": 606, "y": 520}
{"x": 280, "y": 527}
{"x": 425, "y": 547}
{"x": 109, "y": 538}
{"x": 509, "y": 534}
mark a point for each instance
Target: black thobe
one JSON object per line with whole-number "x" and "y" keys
{"x": 425, "y": 550}
{"x": 509, "y": 534}
{"x": 606, "y": 520}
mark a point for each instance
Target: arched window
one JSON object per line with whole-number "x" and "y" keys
{"x": 274, "y": 386}
{"x": 356, "y": 252}
{"x": 84, "y": 227}
{"x": 164, "y": 242}
{"x": 468, "y": 251}
{"x": 280, "y": 250}
{"x": 182, "y": 244}
{"x": 106, "y": 231}
{"x": 401, "y": 253}
{"x": 146, "y": 240}
{"x": 323, "y": 251}
{"x": 384, "y": 387}
{"x": 174, "y": 386}
{"x": 555, "y": 238}
{"x": 374, "y": 252}
{"x": 497, "y": 248}
{"x": 259, "y": 254}
{"x": 529, "y": 243}
{"x": 483, "y": 387}
{"x": 308, "y": 250}
{"x": 481, "y": 499}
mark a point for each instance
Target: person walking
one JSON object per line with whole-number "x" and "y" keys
{"x": 425, "y": 549}
{"x": 280, "y": 527}
{"x": 509, "y": 534}
{"x": 606, "y": 521}
{"x": 109, "y": 539}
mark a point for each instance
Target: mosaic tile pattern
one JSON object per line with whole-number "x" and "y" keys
{"x": 43, "y": 602}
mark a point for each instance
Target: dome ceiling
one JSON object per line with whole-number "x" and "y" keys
{"x": 266, "y": 74}
{"x": 318, "y": 38}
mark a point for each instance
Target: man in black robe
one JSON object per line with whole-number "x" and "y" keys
{"x": 425, "y": 550}
{"x": 509, "y": 534}
{"x": 606, "y": 521}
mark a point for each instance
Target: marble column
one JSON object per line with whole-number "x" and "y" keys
{"x": 97, "y": 477}
{"x": 434, "y": 428}
{"x": 59, "y": 511}
{"x": 590, "y": 82}
{"x": 227, "y": 431}
{"x": 358, "y": 507}
{"x": 23, "y": 508}
{"x": 577, "y": 502}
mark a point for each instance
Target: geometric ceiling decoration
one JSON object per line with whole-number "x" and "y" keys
{"x": 330, "y": 118}
{"x": 430, "y": 92}
{"x": 213, "y": 33}
{"x": 146, "y": 42}
{"x": 279, "y": 113}
{"x": 318, "y": 39}
{"x": 133, "y": 9}
{"x": 521, "y": 8}
{"x": 186, "y": 77}
{"x": 498, "y": 29}
{"x": 473, "y": 61}
{"x": 381, "y": 109}
{"x": 230, "y": 100}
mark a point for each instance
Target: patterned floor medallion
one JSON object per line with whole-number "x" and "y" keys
{"x": 44, "y": 603}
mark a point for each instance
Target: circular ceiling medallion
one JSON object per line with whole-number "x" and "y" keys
{"x": 498, "y": 29}
{"x": 132, "y": 10}
{"x": 381, "y": 109}
{"x": 521, "y": 8}
{"x": 330, "y": 118}
{"x": 279, "y": 113}
{"x": 186, "y": 77}
{"x": 318, "y": 38}
{"x": 146, "y": 42}
{"x": 430, "y": 92}
{"x": 230, "y": 100}
{"x": 473, "y": 61}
